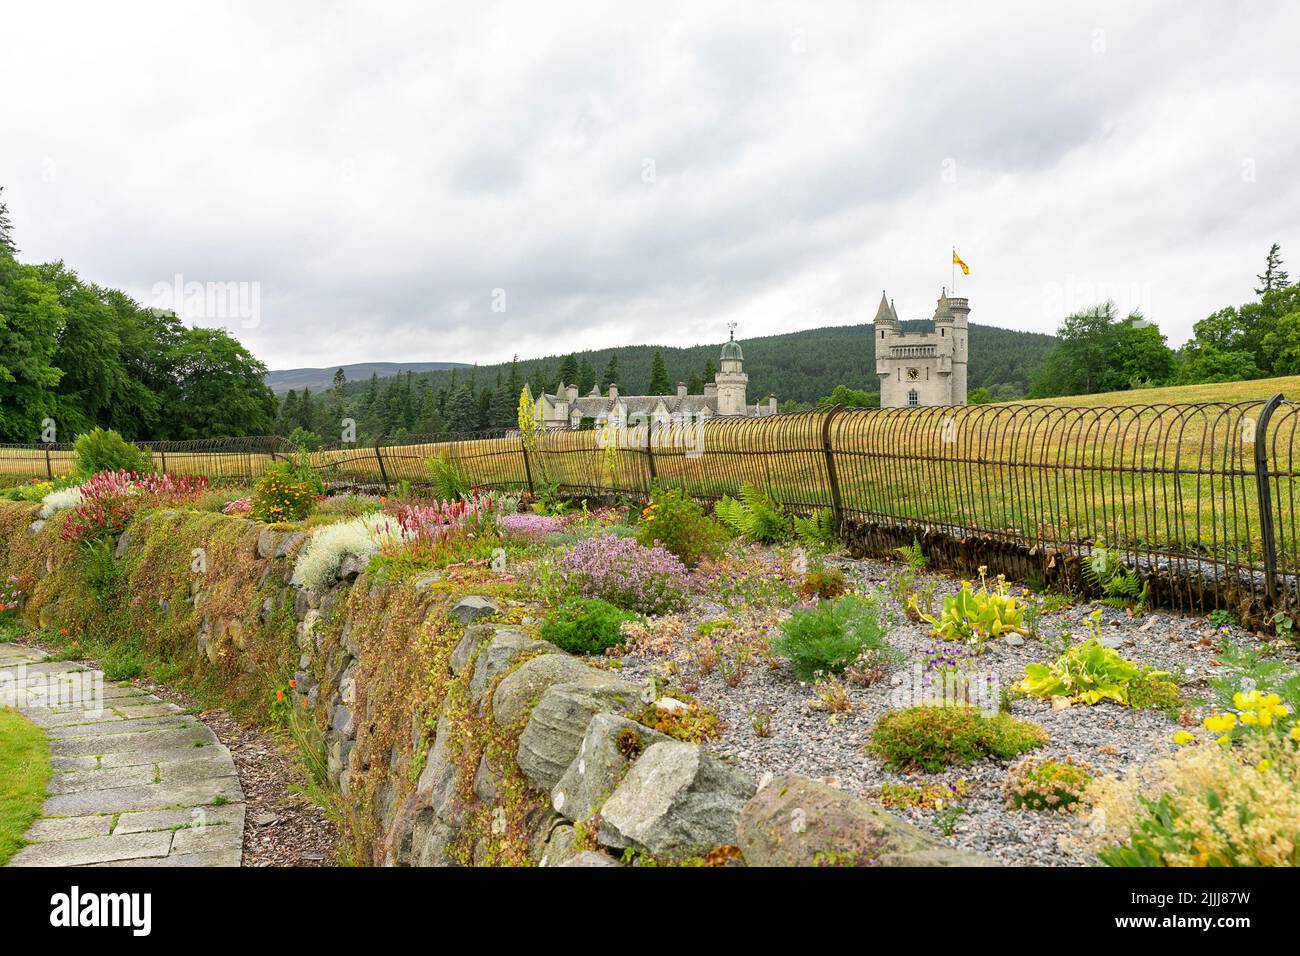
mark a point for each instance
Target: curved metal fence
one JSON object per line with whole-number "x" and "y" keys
{"x": 1202, "y": 493}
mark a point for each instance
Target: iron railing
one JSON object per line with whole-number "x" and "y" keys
{"x": 1200, "y": 498}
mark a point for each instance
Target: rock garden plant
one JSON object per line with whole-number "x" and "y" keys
{"x": 832, "y": 636}
{"x": 625, "y": 573}
{"x": 930, "y": 738}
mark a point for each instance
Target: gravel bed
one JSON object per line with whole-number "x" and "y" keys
{"x": 1110, "y": 737}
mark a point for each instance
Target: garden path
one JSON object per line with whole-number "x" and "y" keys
{"x": 134, "y": 780}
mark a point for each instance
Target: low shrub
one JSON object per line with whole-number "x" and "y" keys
{"x": 586, "y": 626}
{"x": 675, "y": 521}
{"x": 626, "y": 573}
{"x": 287, "y": 491}
{"x": 829, "y": 638}
{"x": 931, "y": 738}
{"x": 824, "y": 584}
{"x": 1054, "y": 785}
{"x": 105, "y": 450}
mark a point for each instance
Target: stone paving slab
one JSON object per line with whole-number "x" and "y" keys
{"x": 152, "y": 741}
{"x": 128, "y": 785}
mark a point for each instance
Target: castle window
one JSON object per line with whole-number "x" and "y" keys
{"x": 913, "y": 399}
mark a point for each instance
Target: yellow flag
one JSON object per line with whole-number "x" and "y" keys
{"x": 965, "y": 269}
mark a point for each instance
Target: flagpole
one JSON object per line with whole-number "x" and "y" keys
{"x": 952, "y": 279}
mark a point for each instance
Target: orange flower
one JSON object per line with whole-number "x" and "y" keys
{"x": 64, "y": 631}
{"x": 279, "y": 695}
{"x": 293, "y": 682}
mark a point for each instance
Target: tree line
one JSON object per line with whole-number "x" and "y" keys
{"x": 1098, "y": 350}
{"x": 74, "y": 355}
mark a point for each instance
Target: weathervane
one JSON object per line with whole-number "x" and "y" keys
{"x": 732, "y": 327}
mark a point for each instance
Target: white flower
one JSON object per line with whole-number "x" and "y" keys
{"x": 319, "y": 560}
{"x": 60, "y": 500}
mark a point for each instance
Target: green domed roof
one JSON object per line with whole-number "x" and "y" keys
{"x": 731, "y": 350}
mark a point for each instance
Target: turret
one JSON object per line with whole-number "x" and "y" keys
{"x": 731, "y": 380}
{"x": 959, "y": 310}
{"x": 886, "y": 320}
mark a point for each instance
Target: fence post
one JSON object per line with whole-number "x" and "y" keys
{"x": 1267, "y": 538}
{"x": 649, "y": 449}
{"x": 49, "y": 468}
{"x": 383, "y": 472}
{"x": 837, "y": 504}
{"x": 162, "y": 453}
{"x": 528, "y": 468}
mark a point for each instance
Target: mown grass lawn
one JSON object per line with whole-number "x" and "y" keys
{"x": 24, "y": 773}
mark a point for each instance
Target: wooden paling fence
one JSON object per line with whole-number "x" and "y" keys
{"x": 1193, "y": 492}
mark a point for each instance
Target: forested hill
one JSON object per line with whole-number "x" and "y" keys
{"x": 795, "y": 366}
{"x": 319, "y": 379}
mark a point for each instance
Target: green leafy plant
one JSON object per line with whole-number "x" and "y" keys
{"x": 754, "y": 515}
{"x": 829, "y": 638}
{"x": 1090, "y": 672}
{"x": 675, "y": 521}
{"x": 931, "y": 738}
{"x": 446, "y": 479}
{"x": 1121, "y": 587}
{"x": 819, "y": 530}
{"x": 105, "y": 450}
{"x": 586, "y": 626}
{"x": 1054, "y": 785}
{"x": 975, "y": 616}
{"x": 912, "y": 555}
{"x": 122, "y": 661}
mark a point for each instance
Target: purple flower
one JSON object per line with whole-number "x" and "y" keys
{"x": 623, "y": 572}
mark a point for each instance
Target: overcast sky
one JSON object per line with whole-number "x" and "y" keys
{"x": 387, "y": 177}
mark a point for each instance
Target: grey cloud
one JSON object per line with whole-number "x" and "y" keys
{"x": 381, "y": 170}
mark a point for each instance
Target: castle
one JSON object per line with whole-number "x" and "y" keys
{"x": 723, "y": 397}
{"x": 923, "y": 368}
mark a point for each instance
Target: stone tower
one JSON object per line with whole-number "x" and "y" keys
{"x": 923, "y": 368}
{"x": 731, "y": 379}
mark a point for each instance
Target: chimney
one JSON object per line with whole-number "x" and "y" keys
{"x": 572, "y": 393}
{"x": 711, "y": 390}
{"x": 613, "y": 391}
{"x": 681, "y": 389}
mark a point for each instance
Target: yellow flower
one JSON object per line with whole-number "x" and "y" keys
{"x": 1183, "y": 737}
{"x": 1263, "y": 765}
{"x": 1218, "y": 723}
{"x": 1224, "y": 740}
{"x": 1295, "y": 732}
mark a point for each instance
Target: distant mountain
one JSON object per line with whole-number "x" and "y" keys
{"x": 318, "y": 379}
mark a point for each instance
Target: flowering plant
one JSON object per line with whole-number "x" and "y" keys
{"x": 240, "y": 506}
{"x": 10, "y": 596}
{"x": 105, "y": 508}
{"x": 530, "y": 526}
{"x": 625, "y": 573}
{"x": 107, "y": 500}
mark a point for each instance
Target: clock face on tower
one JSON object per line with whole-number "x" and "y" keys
{"x": 913, "y": 374}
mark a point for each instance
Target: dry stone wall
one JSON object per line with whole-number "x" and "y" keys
{"x": 452, "y": 736}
